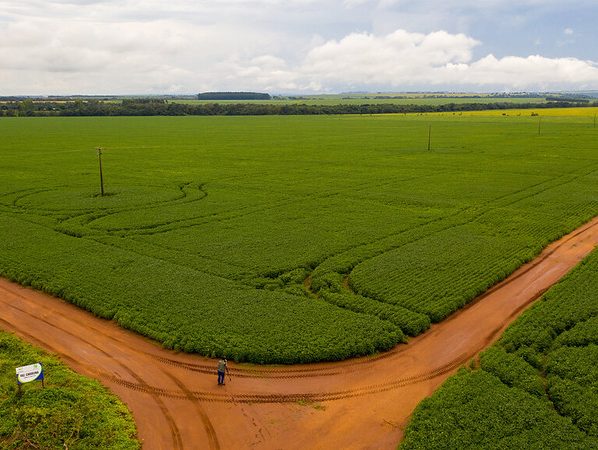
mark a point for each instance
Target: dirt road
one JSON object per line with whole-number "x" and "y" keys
{"x": 358, "y": 404}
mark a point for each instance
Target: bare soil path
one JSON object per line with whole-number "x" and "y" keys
{"x": 363, "y": 403}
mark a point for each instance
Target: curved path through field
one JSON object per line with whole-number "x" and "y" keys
{"x": 361, "y": 403}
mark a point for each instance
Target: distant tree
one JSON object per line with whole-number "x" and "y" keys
{"x": 26, "y": 107}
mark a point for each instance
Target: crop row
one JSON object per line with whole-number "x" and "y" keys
{"x": 465, "y": 260}
{"x": 408, "y": 321}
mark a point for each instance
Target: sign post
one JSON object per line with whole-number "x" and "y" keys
{"x": 26, "y": 374}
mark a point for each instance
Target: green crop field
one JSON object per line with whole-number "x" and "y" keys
{"x": 287, "y": 239}
{"x": 536, "y": 388}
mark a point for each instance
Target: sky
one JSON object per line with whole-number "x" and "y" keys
{"x": 67, "y": 47}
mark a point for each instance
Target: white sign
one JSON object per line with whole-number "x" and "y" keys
{"x": 29, "y": 373}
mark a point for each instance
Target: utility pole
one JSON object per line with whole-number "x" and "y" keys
{"x": 429, "y": 137}
{"x": 99, "y": 149}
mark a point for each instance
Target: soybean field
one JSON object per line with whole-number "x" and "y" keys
{"x": 287, "y": 239}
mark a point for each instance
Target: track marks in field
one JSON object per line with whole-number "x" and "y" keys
{"x": 458, "y": 219}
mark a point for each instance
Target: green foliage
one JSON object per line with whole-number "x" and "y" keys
{"x": 474, "y": 410}
{"x": 538, "y": 383}
{"x": 411, "y": 322}
{"x": 575, "y": 401}
{"x": 512, "y": 370}
{"x": 286, "y": 239}
{"x": 582, "y": 334}
{"x": 70, "y": 412}
{"x": 579, "y": 364}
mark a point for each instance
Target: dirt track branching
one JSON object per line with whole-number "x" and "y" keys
{"x": 537, "y": 386}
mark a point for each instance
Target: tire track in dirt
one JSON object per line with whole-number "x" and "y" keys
{"x": 347, "y": 404}
{"x": 212, "y": 438}
{"x": 184, "y": 393}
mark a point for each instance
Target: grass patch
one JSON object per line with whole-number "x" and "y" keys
{"x": 70, "y": 412}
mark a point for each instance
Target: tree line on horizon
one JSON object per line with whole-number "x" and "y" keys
{"x": 159, "y": 107}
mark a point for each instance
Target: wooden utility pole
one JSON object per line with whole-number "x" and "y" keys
{"x": 429, "y": 137}
{"x": 101, "y": 174}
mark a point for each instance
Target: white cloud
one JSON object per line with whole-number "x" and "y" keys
{"x": 532, "y": 72}
{"x": 405, "y": 60}
{"x": 152, "y": 46}
{"x": 362, "y": 59}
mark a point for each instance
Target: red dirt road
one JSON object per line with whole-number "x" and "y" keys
{"x": 363, "y": 403}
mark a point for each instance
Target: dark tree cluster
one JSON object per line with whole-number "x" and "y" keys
{"x": 568, "y": 99}
{"x": 233, "y": 96}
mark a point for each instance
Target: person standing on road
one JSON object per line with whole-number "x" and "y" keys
{"x": 222, "y": 369}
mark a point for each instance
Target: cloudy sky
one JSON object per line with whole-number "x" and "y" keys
{"x": 296, "y": 46}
